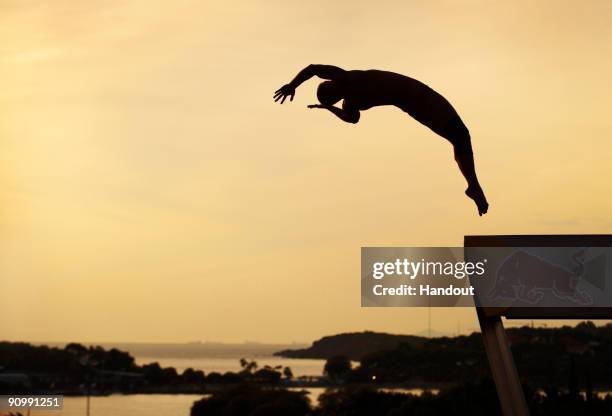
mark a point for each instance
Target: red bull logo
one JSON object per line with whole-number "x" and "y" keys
{"x": 528, "y": 278}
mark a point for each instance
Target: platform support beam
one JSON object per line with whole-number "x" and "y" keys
{"x": 501, "y": 362}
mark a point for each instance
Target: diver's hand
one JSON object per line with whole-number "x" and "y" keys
{"x": 283, "y": 92}
{"x": 316, "y": 106}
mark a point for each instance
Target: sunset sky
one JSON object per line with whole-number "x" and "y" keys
{"x": 151, "y": 190}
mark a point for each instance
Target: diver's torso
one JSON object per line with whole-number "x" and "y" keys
{"x": 367, "y": 89}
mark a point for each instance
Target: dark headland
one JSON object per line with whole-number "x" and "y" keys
{"x": 354, "y": 345}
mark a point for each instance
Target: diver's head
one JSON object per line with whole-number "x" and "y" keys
{"x": 329, "y": 93}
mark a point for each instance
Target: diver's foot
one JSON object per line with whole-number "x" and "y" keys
{"x": 478, "y": 196}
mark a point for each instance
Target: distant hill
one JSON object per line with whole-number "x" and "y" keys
{"x": 354, "y": 345}
{"x": 432, "y": 334}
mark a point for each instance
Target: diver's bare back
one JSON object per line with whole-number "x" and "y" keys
{"x": 371, "y": 88}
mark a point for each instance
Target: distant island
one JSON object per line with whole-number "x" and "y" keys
{"x": 354, "y": 345}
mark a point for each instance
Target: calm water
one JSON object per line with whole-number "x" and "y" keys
{"x": 128, "y": 405}
{"x": 300, "y": 367}
{"x": 148, "y": 404}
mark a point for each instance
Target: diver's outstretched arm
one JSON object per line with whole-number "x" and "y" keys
{"x": 321, "y": 71}
{"x": 342, "y": 114}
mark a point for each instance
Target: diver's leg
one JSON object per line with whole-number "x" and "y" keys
{"x": 465, "y": 160}
{"x": 447, "y": 123}
{"x": 459, "y": 136}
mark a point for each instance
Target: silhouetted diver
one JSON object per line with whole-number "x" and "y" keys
{"x": 362, "y": 90}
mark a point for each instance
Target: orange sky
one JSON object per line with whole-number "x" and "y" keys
{"x": 153, "y": 191}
